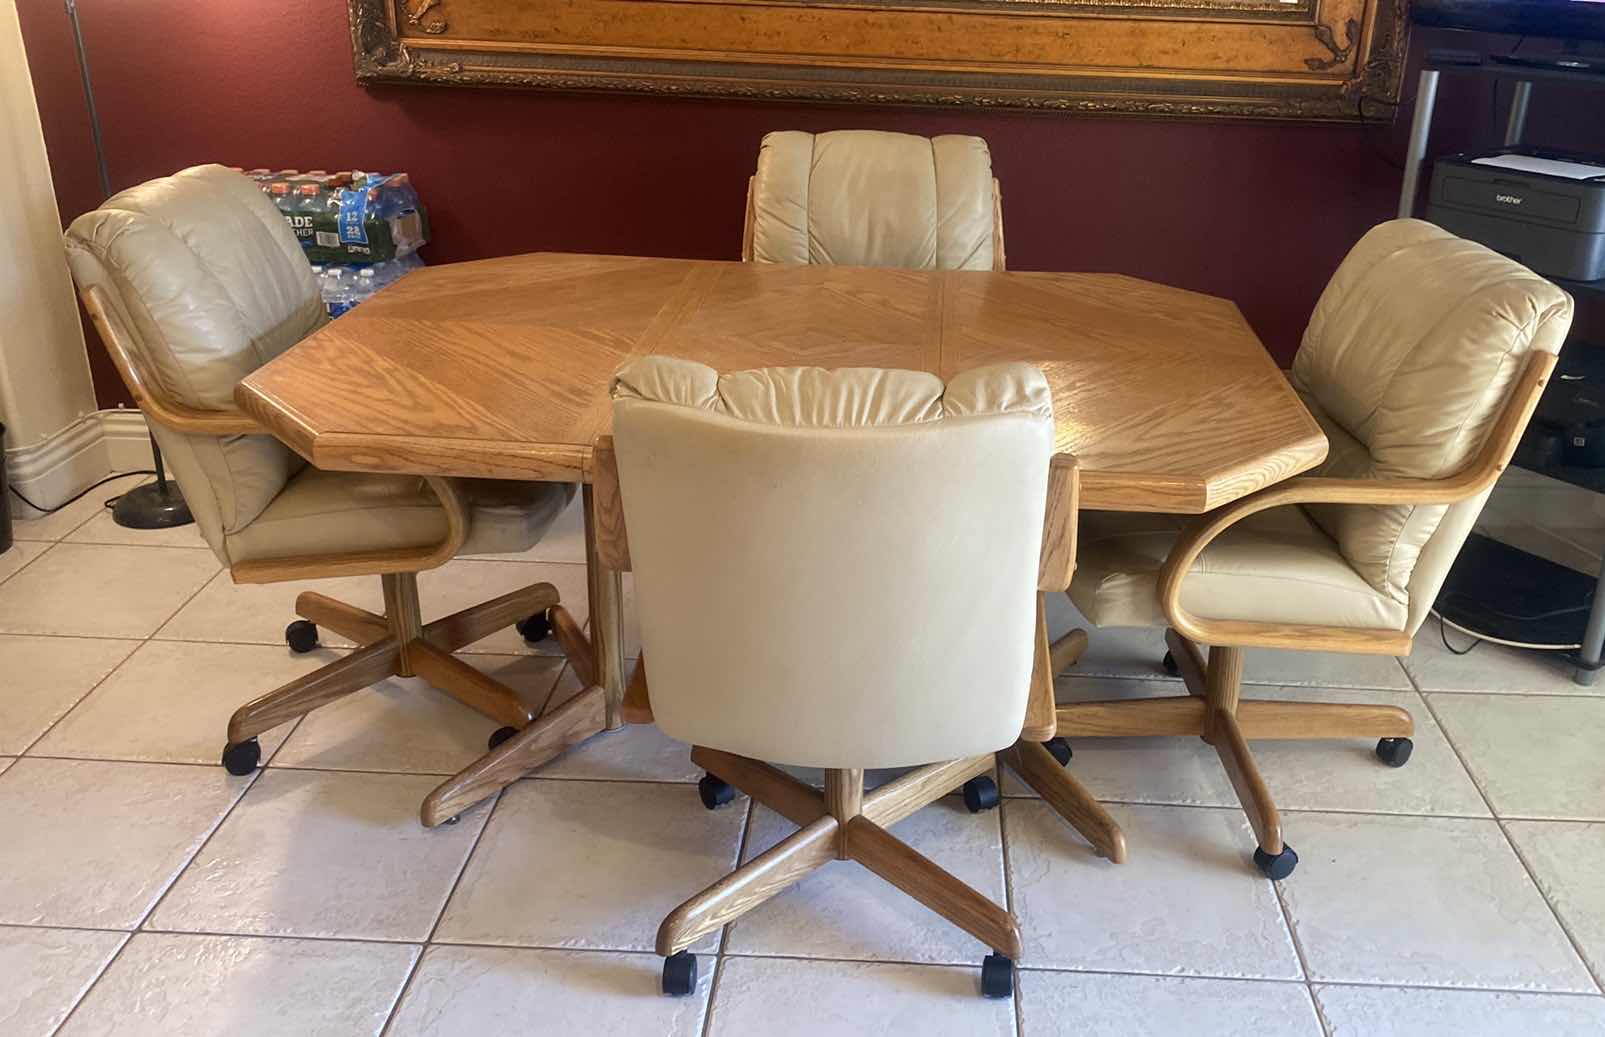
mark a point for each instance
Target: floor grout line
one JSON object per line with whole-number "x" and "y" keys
{"x": 1571, "y": 938}
{"x": 723, "y": 951}
{"x": 1303, "y": 960}
{"x": 429, "y": 940}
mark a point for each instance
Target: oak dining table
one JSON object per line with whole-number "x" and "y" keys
{"x": 500, "y": 368}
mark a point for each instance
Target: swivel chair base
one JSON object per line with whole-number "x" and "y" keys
{"x": 842, "y": 823}
{"x": 399, "y": 644}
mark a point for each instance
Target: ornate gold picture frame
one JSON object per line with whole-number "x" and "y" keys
{"x": 1267, "y": 59}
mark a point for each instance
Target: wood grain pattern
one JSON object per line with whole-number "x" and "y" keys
{"x": 1060, "y": 791}
{"x": 844, "y": 798}
{"x": 359, "y": 625}
{"x": 571, "y": 638}
{"x": 777, "y": 790}
{"x": 468, "y": 625}
{"x": 1304, "y": 720}
{"x": 925, "y": 881}
{"x": 1041, "y": 721}
{"x": 605, "y": 589}
{"x": 471, "y": 687}
{"x": 569, "y": 724}
{"x": 367, "y": 665}
{"x": 612, "y": 539}
{"x": 765, "y": 876}
{"x": 1252, "y": 791}
{"x": 1058, "y": 560}
{"x": 500, "y": 368}
{"x": 890, "y": 803}
{"x": 1067, "y": 650}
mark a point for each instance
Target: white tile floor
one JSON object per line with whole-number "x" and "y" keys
{"x": 145, "y": 891}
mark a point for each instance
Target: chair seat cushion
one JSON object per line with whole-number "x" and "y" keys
{"x": 321, "y": 512}
{"x": 1276, "y": 566}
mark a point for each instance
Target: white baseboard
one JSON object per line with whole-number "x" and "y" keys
{"x": 127, "y": 439}
{"x": 51, "y": 471}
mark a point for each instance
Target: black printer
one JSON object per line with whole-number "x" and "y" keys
{"x": 1544, "y": 209}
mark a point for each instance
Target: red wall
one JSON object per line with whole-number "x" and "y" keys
{"x": 1259, "y": 213}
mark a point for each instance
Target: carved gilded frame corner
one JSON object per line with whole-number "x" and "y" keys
{"x": 1258, "y": 59}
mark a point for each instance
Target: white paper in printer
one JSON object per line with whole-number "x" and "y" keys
{"x": 1546, "y": 166}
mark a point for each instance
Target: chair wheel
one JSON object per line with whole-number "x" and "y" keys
{"x": 1278, "y": 867}
{"x": 500, "y": 735}
{"x": 535, "y": 628}
{"x": 1059, "y": 749}
{"x": 980, "y": 793}
{"x": 241, "y": 758}
{"x": 715, "y": 793}
{"x": 1395, "y": 752}
{"x": 1170, "y": 664}
{"x": 301, "y": 636}
{"x": 997, "y": 976}
{"x": 680, "y": 974}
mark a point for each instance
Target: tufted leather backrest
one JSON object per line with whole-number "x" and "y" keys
{"x": 835, "y": 568}
{"x": 1410, "y": 356}
{"x": 867, "y": 198}
{"x": 208, "y": 277}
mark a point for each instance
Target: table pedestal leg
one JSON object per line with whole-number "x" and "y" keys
{"x": 606, "y": 591}
{"x": 592, "y": 711}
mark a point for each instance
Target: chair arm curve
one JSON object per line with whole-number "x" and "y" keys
{"x": 1478, "y": 475}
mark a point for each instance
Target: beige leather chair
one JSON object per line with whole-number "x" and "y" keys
{"x": 1423, "y": 361}
{"x": 867, "y": 198}
{"x": 839, "y": 569}
{"x": 195, "y": 280}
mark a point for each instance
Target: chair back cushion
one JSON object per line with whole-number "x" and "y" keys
{"x": 835, "y": 568}
{"x": 207, "y": 276}
{"x": 1410, "y": 356}
{"x": 866, "y": 198}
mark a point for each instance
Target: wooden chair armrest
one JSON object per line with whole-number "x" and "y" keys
{"x": 1471, "y": 480}
{"x": 167, "y": 413}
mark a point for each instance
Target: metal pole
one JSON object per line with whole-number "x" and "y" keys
{"x": 158, "y": 505}
{"x": 89, "y": 98}
{"x": 1416, "y": 153}
{"x": 1588, "y": 655}
{"x": 1518, "y": 114}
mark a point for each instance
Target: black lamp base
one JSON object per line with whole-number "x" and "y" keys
{"x": 156, "y": 505}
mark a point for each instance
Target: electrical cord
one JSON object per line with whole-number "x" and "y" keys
{"x": 1480, "y": 638}
{"x": 110, "y": 478}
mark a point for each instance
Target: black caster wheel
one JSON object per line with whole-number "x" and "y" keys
{"x": 301, "y": 636}
{"x": 997, "y": 976}
{"x": 1395, "y": 752}
{"x": 242, "y": 757}
{"x": 715, "y": 793}
{"x": 500, "y": 735}
{"x": 1169, "y": 664}
{"x": 980, "y": 793}
{"x": 536, "y": 628}
{"x": 1278, "y": 867}
{"x": 1059, "y": 749}
{"x": 680, "y": 974}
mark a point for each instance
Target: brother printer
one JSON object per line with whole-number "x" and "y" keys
{"x": 1545, "y": 210}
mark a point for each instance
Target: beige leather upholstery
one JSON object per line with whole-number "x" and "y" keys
{"x": 1411, "y": 354}
{"x": 1412, "y": 350}
{"x": 867, "y": 198}
{"x": 209, "y": 278}
{"x": 1275, "y": 567}
{"x": 835, "y": 568}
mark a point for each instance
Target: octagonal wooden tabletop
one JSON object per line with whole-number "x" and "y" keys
{"x": 500, "y": 368}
